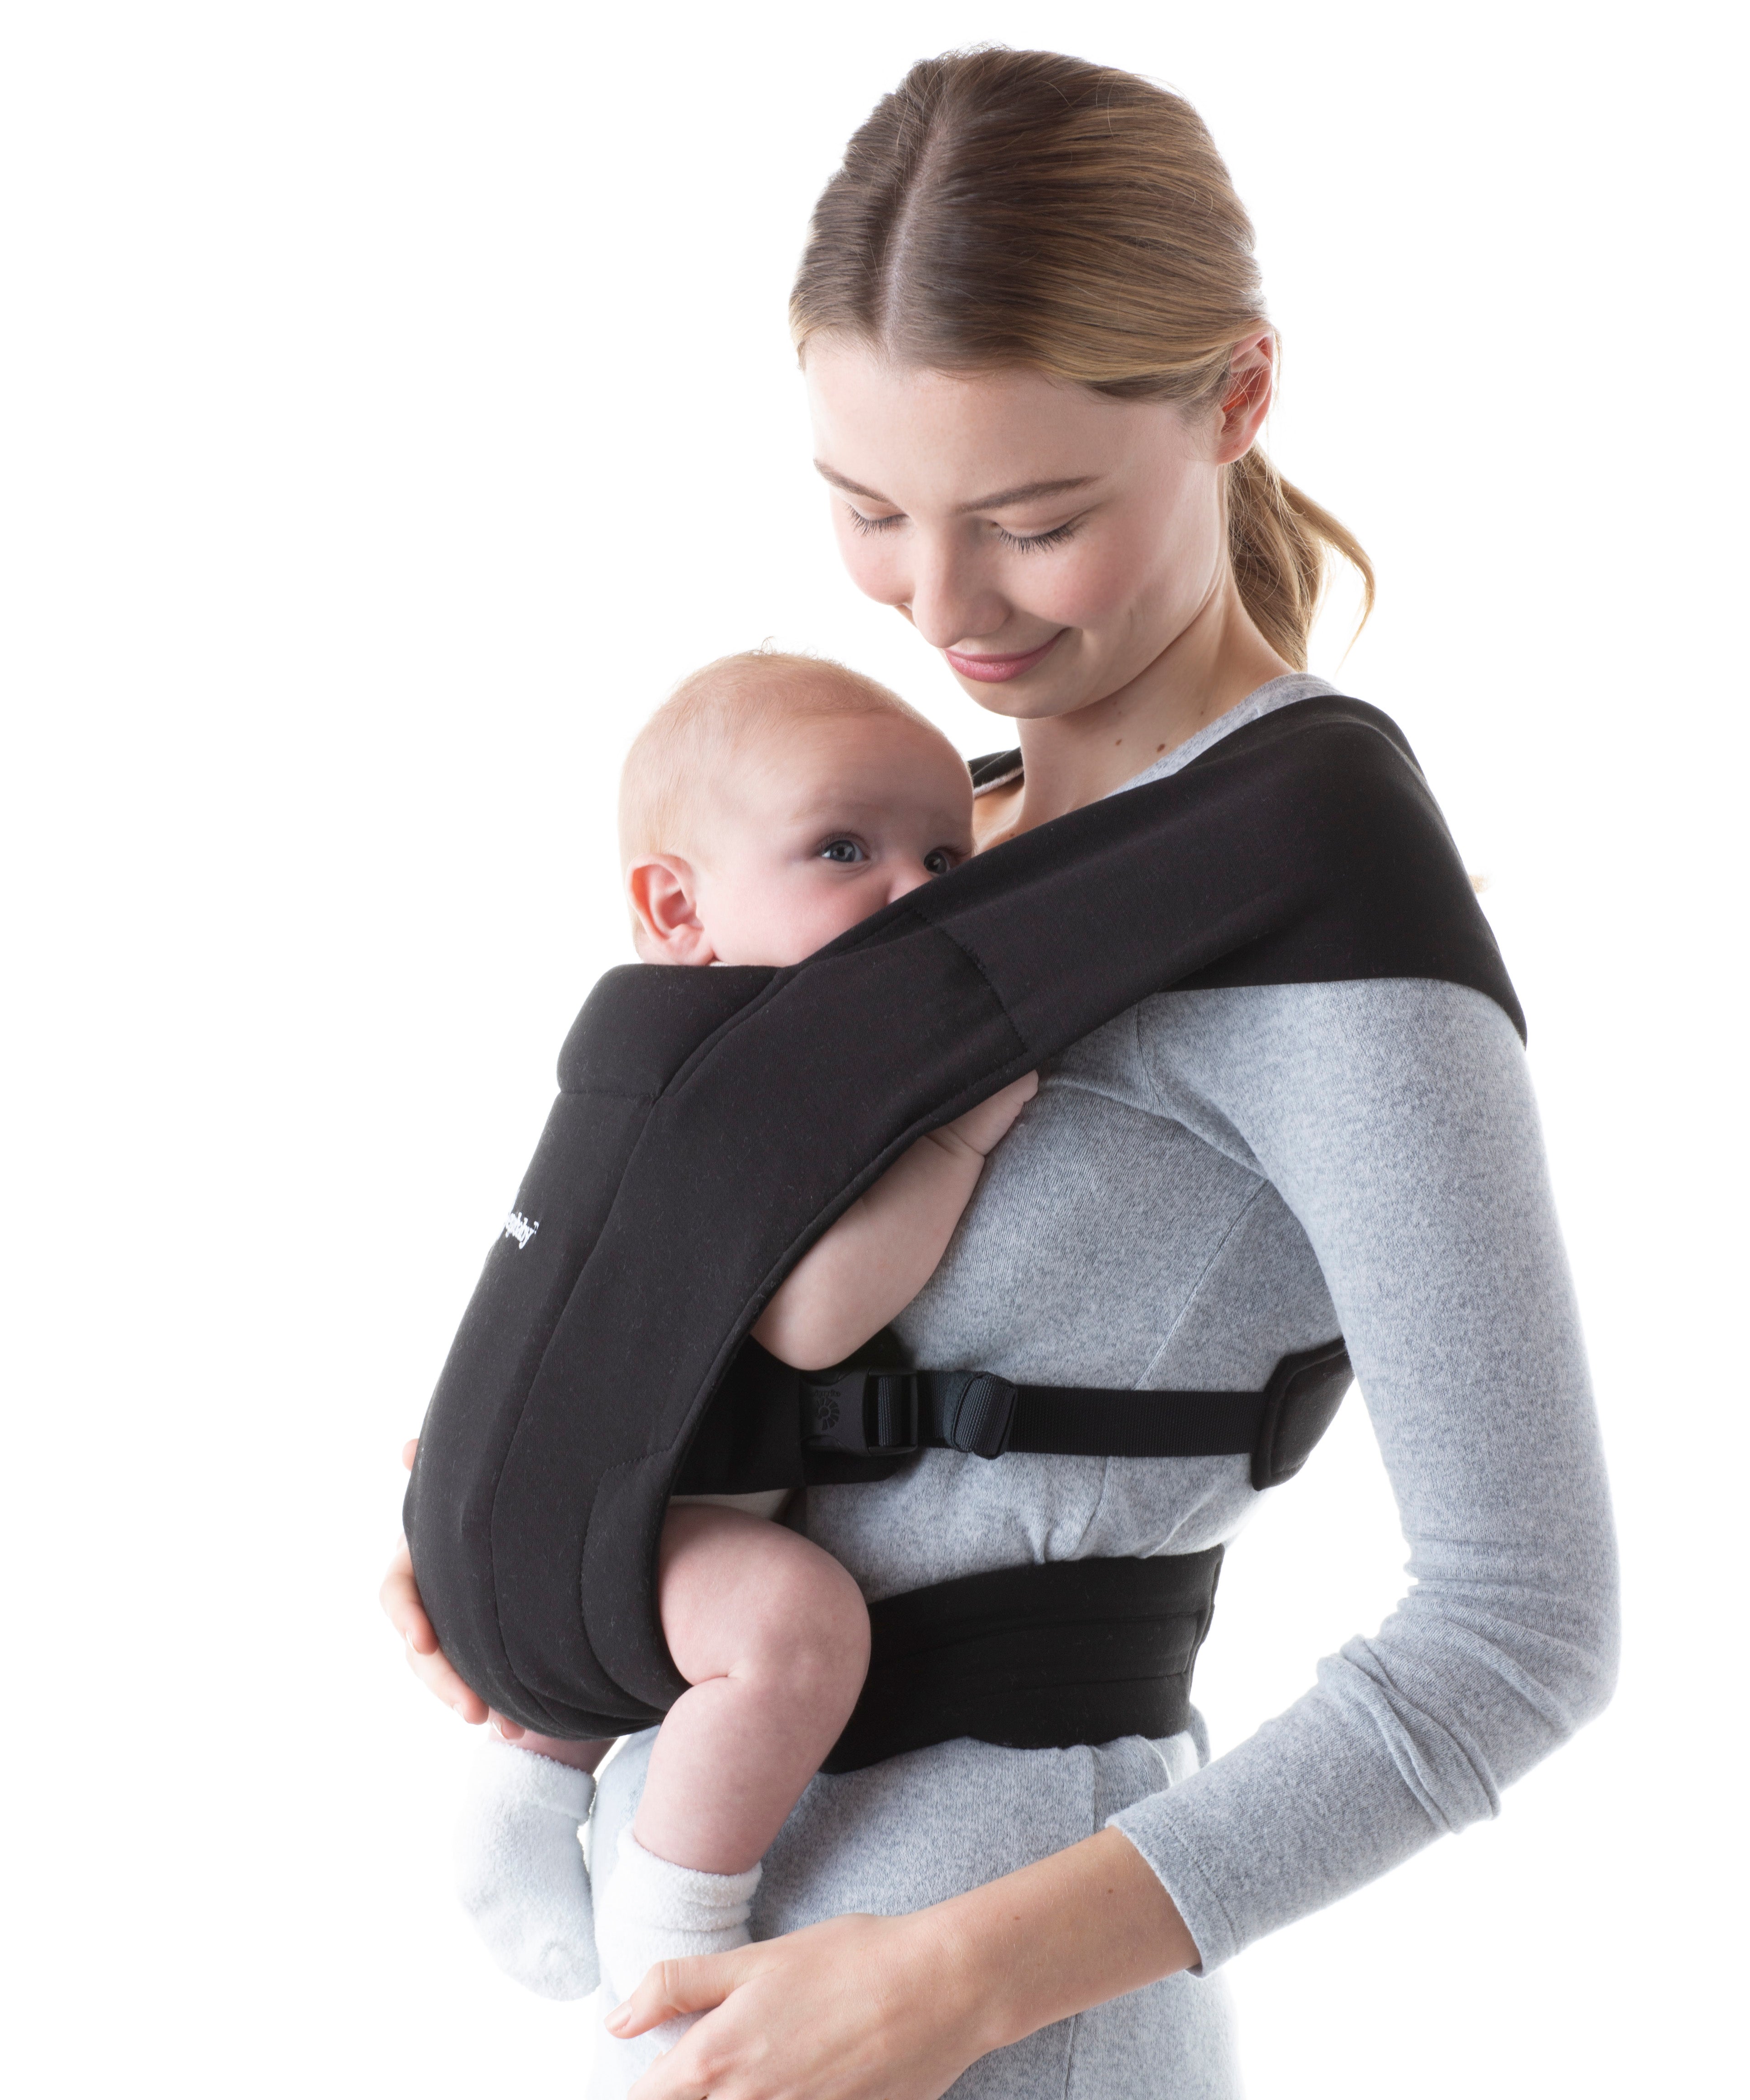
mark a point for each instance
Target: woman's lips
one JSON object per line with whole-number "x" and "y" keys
{"x": 992, "y": 670}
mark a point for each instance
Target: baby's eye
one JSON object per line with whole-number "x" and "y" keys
{"x": 939, "y": 860}
{"x": 845, "y": 852}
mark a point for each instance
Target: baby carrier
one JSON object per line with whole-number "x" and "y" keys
{"x": 711, "y": 1124}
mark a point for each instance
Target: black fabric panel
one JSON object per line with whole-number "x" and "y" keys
{"x": 1036, "y": 1658}
{"x": 716, "y": 1122}
{"x": 747, "y": 1442}
{"x": 1304, "y": 849}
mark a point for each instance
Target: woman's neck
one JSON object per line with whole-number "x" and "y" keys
{"x": 1071, "y": 760}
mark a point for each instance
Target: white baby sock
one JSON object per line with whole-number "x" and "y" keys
{"x": 649, "y": 1910}
{"x": 519, "y": 1868}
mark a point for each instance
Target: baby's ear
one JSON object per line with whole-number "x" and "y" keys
{"x": 663, "y": 892}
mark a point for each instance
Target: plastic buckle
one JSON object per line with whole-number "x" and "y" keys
{"x": 861, "y": 1413}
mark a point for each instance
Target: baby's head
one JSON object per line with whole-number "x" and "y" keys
{"x": 772, "y": 801}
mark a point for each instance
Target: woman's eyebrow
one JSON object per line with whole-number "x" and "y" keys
{"x": 1029, "y": 491}
{"x": 844, "y": 482}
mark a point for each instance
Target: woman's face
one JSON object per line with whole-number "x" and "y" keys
{"x": 1051, "y": 542}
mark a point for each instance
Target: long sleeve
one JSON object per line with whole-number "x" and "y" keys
{"x": 1396, "y": 1120}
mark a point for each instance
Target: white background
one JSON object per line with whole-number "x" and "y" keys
{"x": 395, "y": 398}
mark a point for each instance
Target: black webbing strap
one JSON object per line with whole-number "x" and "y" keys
{"x": 1034, "y": 1658}
{"x": 868, "y": 1412}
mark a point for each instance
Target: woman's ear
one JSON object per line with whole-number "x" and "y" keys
{"x": 663, "y": 892}
{"x": 1245, "y": 399}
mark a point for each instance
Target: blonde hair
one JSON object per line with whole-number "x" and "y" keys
{"x": 1006, "y": 208}
{"x": 711, "y": 718}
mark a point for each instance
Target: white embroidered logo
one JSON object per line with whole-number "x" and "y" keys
{"x": 521, "y": 1229}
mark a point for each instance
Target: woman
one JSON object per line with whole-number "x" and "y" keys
{"x": 1036, "y": 350}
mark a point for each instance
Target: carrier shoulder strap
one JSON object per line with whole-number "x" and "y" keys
{"x": 712, "y": 1124}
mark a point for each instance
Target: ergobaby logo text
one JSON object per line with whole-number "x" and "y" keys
{"x": 521, "y": 1229}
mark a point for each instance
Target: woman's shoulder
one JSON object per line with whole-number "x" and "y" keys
{"x": 1268, "y": 699}
{"x": 1302, "y": 1060}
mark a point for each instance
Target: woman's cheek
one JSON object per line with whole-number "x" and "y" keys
{"x": 871, "y": 566}
{"x": 1084, "y": 588}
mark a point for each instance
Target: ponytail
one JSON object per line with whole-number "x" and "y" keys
{"x": 1278, "y": 541}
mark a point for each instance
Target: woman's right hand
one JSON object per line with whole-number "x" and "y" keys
{"x": 400, "y": 1598}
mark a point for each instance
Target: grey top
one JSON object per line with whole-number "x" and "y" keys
{"x": 1213, "y": 1180}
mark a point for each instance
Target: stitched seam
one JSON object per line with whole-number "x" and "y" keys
{"x": 782, "y": 982}
{"x": 1240, "y": 1217}
{"x": 1070, "y": 2053}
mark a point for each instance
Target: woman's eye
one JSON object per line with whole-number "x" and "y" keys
{"x": 859, "y": 523}
{"x": 846, "y": 852}
{"x": 939, "y": 860}
{"x": 1032, "y": 542}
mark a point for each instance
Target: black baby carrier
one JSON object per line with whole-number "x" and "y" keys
{"x": 711, "y": 1124}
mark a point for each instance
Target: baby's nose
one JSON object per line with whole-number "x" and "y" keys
{"x": 907, "y": 876}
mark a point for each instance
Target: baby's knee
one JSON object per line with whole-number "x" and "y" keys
{"x": 814, "y": 1625}
{"x": 841, "y": 1613}
{"x": 741, "y": 1597}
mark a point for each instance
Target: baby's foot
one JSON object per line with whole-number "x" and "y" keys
{"x": 520, "y": 1872}
{"x": 649, "y": 1911}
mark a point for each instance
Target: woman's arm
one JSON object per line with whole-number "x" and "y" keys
{"x": 1396, "y": 1118}
{"x": 896, "y": 2008}
{"x": 881, "y": 1253}
{"x": 1397, "y": 1121}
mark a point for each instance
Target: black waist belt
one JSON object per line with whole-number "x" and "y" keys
{"x": 858, "y": 1416}
{"x": 1034, "y": 1658}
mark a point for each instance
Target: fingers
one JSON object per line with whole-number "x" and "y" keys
{"x": 1014, "y": 1097}
{"x": 984, "y": 1127}
{"x": 408, "y": 1450}
{"x": 435, "y": 1673}
{"x": 693, "y": 1985}
{"x": 399, "y": 1597}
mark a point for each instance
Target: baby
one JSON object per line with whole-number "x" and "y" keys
{"x": 771, "y": 803}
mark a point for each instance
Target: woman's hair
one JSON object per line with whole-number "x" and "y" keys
{"x": 1009, "y": 208}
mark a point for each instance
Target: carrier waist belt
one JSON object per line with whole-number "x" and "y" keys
{"x": 1034, "y": 1658}
{"x": 857, "y": 1414}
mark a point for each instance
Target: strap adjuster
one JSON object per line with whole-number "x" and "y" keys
{"x": 977, "y": 1411}
{"x": 861, "y": 1413}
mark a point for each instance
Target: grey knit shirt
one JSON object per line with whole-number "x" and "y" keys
{"x": 1212, "y": 1180}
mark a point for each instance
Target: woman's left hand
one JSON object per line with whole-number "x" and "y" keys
{"x": 856, "y": 2008}
{"x": 896, "y": 2008}
{"x": 400, "y": 1600}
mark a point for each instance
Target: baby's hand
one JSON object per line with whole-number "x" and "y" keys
{"x": 982, "y": 1129}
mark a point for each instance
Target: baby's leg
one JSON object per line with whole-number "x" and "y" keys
{"x": 519, "y": 1868}
{"x": 773, "y": 1636}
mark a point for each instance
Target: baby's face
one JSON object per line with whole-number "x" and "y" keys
{"x": 824, "y": 822}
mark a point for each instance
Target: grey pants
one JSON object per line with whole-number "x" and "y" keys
{"x": 924, "y": 1827}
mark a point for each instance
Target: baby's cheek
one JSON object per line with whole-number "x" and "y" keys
{"x": 808, "y": 914}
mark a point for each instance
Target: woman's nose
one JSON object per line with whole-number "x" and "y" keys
{"x": 948, "y": 601}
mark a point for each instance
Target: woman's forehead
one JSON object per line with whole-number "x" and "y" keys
{"x": 965, "y": 440}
